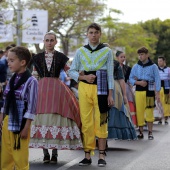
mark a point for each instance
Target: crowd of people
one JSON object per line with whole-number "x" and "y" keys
{"x": 50, "y": 105}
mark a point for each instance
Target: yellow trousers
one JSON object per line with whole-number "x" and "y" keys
{"x": 142, "y": 112}
{"x": 11, "y": 158}
{"x": 166, "y": 107}
{"x": 90, "y": 116}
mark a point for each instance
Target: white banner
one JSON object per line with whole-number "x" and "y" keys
{"x": 35, "y": 25}
{"x": 6, "y": 31}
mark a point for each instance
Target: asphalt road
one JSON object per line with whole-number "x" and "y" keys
{"x": 122, "y": 155}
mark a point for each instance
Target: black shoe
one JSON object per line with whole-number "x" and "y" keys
{"x": 46, "y": 158}
{"x": 53, "y": 159}
{"x": 150, "y": 136}
{"x": 160, "y": 122}
{"x": 140, "y": 136}
{"x": 166, "y": 122}
{"x": 101, "y": 162}
{"x": 85, "y": 162}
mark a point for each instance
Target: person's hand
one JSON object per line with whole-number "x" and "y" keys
{"x": 90, "y": 78}
{"x": 24, "y": 133}
{"x": 143, "y": 83}
{"x": 110, "y": 101}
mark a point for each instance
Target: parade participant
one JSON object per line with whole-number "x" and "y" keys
{"x": 20, "y": 98}
{"x": 129, "y": 93}
{"x": 164, "y": 73}
{"x": 57, "y": 124}
{"x": 96, "y": 60}
{"x": 146, "y": 77}
{"x": 120, "y": 125}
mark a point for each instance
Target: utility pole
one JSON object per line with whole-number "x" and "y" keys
{"x": 19, "y": 23}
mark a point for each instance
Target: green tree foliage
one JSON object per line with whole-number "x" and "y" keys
{"x": 11, "y": 5}
{"x": 130, "y": 37}
{"x": 69, "y": 19}
{"x": 133, "y": 37}
{"x": 163, "y": 46}
{"x": 161, "y": 29}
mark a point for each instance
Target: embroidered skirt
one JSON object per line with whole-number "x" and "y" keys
{"x": 57, "y": 123}
{"x": 120, "y": 125}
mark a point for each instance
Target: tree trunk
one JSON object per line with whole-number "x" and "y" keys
{"x": 65, "y": 45}
{"x": 38, "y": 49}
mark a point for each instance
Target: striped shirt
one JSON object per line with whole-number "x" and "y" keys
{"x": 27, "y": 92}
{"x": 164, "y": 73}
{"x": 102, "y": 57}
{"x": 148, "y": 73}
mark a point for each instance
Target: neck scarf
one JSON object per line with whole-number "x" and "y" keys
{"x": 11, "y": 104}
{"x": 149, "y": 63}
{"x": 162, "y": 69}
{"x": 100, "y": 46}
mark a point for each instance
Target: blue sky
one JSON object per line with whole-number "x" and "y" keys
{"x": 141, "y": 10}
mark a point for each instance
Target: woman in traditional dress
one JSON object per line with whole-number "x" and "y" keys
{"x": 57, "y": 124}
{"x": 129, "y": 93}
{"x": 120, "y": 125}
